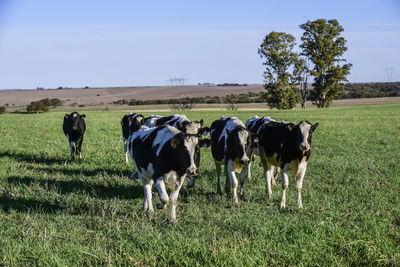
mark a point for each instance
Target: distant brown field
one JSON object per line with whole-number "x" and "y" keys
{"x": 106, "y": 96}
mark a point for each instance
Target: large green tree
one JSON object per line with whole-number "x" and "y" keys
{"x": 323, "y": 45}
{"x": 277, "y": 50}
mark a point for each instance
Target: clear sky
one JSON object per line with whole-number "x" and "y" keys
{"x": 77, "y": 43}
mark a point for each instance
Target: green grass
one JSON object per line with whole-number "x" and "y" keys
{"x": 57, "y": 212}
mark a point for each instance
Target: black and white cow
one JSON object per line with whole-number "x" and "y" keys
{"x": 164, "y": 155}
{"x": 231, "y": 145}
{"x": 130, "y": 123}
{"x": 254, "y": 125}
{"x": 286, "y": 145}
{"x": 74, "y": 128}
{"x": 182, "y": 123}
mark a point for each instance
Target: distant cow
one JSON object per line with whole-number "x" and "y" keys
{"x": 130, "y": 123}
{"x": 254, "y": 125}
{"x": 231, "y": 145}
{"x": 164, "y": 155}
{"x": 74, "y": 128}
{"x": 286, "y": 145}
{"x": 182, "y": 123}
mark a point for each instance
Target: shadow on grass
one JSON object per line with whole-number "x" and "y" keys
{"x": 82, "y": 186}
{"x": 24, "y": 205}
{"x": 29, "y": 158}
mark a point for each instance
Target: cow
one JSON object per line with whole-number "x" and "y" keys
{"x": 232, "y": 146}
{"x": 254, "y": 125}
{"x": 182, "y": 123}
{"x": 288, "y": 146}
{"x": 164, "y": 155}
{"x": 130, "y": 123}
{"x": 74, "y": 128}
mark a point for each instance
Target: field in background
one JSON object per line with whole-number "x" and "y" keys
{"x": 57, "y": 212}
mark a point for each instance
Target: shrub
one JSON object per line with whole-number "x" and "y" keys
{"x": 37, "y": 106}
{"x": 2, "y": 110}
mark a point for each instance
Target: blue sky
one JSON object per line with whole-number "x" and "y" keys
{"x": 74, "y": 43}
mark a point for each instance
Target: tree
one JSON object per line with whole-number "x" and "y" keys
{"x": 37, "y": 106}
{"x": 324, "y": 47}
{"x": 301, "y": 73}
{"x": 55, "y": 102}
{"x": 277, "y": 49}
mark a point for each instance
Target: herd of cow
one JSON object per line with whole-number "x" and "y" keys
{"x": 166, "y": 149}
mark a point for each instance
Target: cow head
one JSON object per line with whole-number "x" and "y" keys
{"x": 135, "y": 122}
{"x": 72, "y": 120}
{"x": 242, "y": 141}
{"x": 303, "y": 134}
{"x": 188, "y": 148}
{"x": 193, "y": 127}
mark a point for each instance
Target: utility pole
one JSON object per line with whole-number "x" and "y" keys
{"x": 177, "y": 82}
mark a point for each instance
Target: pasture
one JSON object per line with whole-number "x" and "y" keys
{"x": 87, "y": 212}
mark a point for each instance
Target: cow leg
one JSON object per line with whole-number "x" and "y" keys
{"x": 275, "y": 177}
{"x": 192, "y": 182}
{"x": 242, "y": 176}
{"x": 233, "y": 181}
{"x": 299, "y": 183}
{"x": 126, "y": 150}
{"x": 248, "y": 170}
{"x": 174, "y": 201}
{"x": 71, "y": 145}
{"x": 227, "y": 180}
{"x": 285, "y": 184}
{"x": 79, "y": 147}
{"x": 269, "y": 178}
{"x": 162, "y": 193}
{"x": 218, "y": 170}
{"x": 147, "y": 204}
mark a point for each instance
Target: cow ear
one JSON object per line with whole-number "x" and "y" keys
{"x": 201, "y": 122}
{"x": 204, "y": 131}
{"x": 66, "y": 116}
{"x": 175, "y": 142}
{"x": 313, "y": 127}
{"x": 83, "y": 116}
{"x": 291, "y": 126}
{"x": 228, "y": 131}
{"x": 204, "y": 143}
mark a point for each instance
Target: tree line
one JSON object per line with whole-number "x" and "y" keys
{"x": 288, "y": 72}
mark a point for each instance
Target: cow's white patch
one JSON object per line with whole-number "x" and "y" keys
{"x": 190, "y": 144}
{"x": 193, "y": 128}
{"x": 230, "y": 125}
{"x": 243, "y": 135}
{"x": 151, "y": 121}
{"x": 250, "y": 123}
{"x": 142, "y": 133}
{"x": 163, "y": 136}
{"x": 305, "y": 130}
{"x": 75, "y": 114}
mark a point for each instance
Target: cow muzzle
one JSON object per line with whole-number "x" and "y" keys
{"x": 244, "y": 161}
{"x": 192, "y": 171}
{"x": 304, "y": 147}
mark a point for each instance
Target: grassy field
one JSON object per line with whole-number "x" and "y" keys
{"x": 57, "y": 212}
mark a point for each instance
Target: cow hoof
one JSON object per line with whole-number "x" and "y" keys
{"x": 190, "y": 184}
{"x": 173, "y": 221}
{"x": 150, "y": 215}
{"x": 161, "y": 206}
{"x": 283, "y": 205}
{"x": 270, "y": 196}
